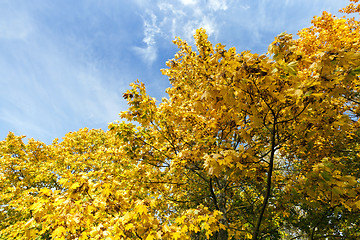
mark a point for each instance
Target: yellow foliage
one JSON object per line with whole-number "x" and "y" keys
{"x": 246, "y": 145}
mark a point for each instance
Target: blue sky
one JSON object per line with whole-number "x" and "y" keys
{"x": 65, "y": 64}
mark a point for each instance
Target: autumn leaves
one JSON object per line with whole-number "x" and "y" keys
{"x": 246, "y": 146}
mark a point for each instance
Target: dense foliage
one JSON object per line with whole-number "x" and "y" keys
{"x": 246, "y": 146}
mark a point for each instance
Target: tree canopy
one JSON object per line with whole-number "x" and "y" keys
{"x": 245, "y": 146}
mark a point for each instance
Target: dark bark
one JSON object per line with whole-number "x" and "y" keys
{"x": 220, "y": 205}
{"x": 268, "y": 183}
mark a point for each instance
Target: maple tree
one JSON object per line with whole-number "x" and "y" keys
{"x": 246, "y": 146}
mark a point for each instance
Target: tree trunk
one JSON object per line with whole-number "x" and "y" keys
{"x": 268, "y": 184}
{"x": 220, "y": 204}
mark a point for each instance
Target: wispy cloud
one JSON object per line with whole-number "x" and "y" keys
{"x": 216, "y": 5}
{"x": 189, "y": 2}
{"x": 166, "y": 19}
{"x": 151, "y": 29}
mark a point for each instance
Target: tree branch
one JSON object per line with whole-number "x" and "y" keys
{"x": 268, "y": 185}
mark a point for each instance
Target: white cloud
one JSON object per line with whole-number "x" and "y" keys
{"x": 183, "y": 20}
{"x": 216, "y": 5}
{"x": 151, "y": 30}
{"x": 245, "y": 7}
{"x": 167, "y": 19}
{"x": 190, "y": 27}
{"x": 165, "y": 6}
{"x": 148, "y": 54}
{"x": 209, "y": 25}
{"x": 189, "y": 2}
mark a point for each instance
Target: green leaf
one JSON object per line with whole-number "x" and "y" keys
{"x": 326, "y": 176}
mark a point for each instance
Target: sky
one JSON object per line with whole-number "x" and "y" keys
{"x": 65, "y": 64}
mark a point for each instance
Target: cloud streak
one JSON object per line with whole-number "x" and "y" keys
{"x": 151, "y": 29}
{"x": 166, "y": 20}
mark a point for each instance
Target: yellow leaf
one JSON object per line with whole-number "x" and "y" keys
{"x": 30, "y": 233}
{"x": 141, "y": 209}
{"x": 166, "y": 228}
{"x": 150, "y": 237}
{"x": 239, "y": 166}
{"x": 129, "y": 226}
{"x": 63, "y": 180}
{"x": 176, "y": 235}
{"x": 59, "y": 231}
{"x": 159, "y": 234}
{"x": 358, "y": 204}
{"x": 46, "y": 191}
{"x": 75, "y": 185}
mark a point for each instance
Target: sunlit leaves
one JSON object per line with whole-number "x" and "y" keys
{"x": 239, "y": 134}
